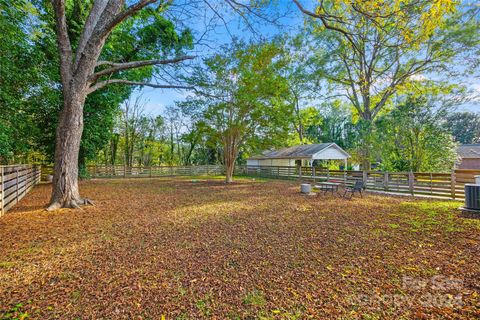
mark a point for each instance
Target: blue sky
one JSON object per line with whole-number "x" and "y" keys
{"x": 232, "y": 25}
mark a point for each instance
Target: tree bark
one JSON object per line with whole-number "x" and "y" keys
{"x": 229, "y": 168}
{"x": 230, "y": 155}
{"x": 299, "y": 117}
{"x": 113, "y": 148}
{"x": 65, "y": 192}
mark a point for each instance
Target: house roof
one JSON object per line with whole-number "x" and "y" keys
{"x": 469, "y": 150}
{"x": 304, "y": 151}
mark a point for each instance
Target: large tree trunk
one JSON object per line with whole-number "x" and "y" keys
{"x": 65, "y": 192}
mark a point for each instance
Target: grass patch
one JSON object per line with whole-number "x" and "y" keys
{"x": 6, "y": 264}
{"x": 428, "y": 216}
{"x": 255, "y": 298}
{"x": 15, "y": 313}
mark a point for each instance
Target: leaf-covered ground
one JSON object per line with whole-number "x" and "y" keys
{"x": 254, "y": 249}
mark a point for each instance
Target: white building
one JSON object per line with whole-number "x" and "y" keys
{"x": 305, "y": 153}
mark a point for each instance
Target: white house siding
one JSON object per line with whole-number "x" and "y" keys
{"x": 252, "y": 162}
{"x": 330, "y": 153}
{"x": 276, "y": 162}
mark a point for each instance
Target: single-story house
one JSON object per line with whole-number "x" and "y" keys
{"x": 305, "y": 154}
{"x": 469, "y": 155}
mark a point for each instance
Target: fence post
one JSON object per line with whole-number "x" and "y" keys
{"x": 150, "y": 171}
{"x": 300, "y": 172}
{"x": 411, "y": 182}
{"x": 1, "y": 191}
{"x": 453, "y": 182}
{"x": 364, "y": 178}
{"x": 124, "y": 170}
{"x": 16, "y": 187}
{"x": 385, "y": 181}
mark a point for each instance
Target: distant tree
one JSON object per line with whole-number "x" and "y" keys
{"x": 132, "y": 118}
{"x": 298, "y": 74}
{"x": 151, "y": 141}
{"x": 464, "y": 126}
{"x": 330, "y": 122}
{"x": 136, "y": 138}
{"x": 243, "y": 98}
{"x": 368, "y": 50}
{"x": 175, "y": 123}
{"x": 412, "y": 138}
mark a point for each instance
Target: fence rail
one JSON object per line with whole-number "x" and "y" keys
{"x": 15, "y": 182}
{"x": 446, "y": 185}
{"x": 154, "y": 171}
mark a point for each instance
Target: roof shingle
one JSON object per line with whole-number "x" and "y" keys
{"x": 304, "y": 151}
{"x": 469, "y": 150}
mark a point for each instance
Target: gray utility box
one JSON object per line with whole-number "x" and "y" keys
{"x": 472, "y": 196}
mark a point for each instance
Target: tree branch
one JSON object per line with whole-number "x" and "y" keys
{"x": 325, "y": 22}
{"x": 63, "y": 42}
{"x": 125, "y": 14}
{"x": 102, "y": 84}
{"x": 134, "y": 64}
{"x": 92, "y": 20}
{"x": 104, "y": 16}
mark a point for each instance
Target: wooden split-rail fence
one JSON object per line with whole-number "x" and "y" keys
{"x": 153, "y": 171}
{"x": 433, "y": 184}
{"x": 15, "y": 182}
{"x": 443, "y": 185}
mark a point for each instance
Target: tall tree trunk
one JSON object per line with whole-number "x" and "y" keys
{"x": 192, "y": 146}
{"x": 230, "y": 155}
{"x": 172, "y": 146}
{"x": 299, "y": 117}
{"x": 65, "y": 192}
{"x": 366, "y": 135}
{"x": 114, "y": 147}
{"x": 130, "y": 152}
{"x": 229, "y": 168}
